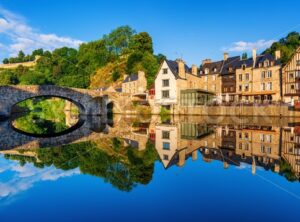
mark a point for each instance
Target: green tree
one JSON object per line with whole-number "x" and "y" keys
{"x": 286, "y": 45}
{"x": 119, "y": 39}
{"x": 142, "y": 42}
{"x": 5, "y": 61}
{"x": 245, "y": 55}
{"x": 21, "y": 56}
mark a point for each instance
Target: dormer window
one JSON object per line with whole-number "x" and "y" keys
{"x": 266, "y": 63}
{"x": 215, "y": 69}
{"x": 206, "y": 71}
{"x": 230, "y": 69}
{"x": 243, "y": 66}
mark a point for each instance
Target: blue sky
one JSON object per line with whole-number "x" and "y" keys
{"x": 190, "y": 29}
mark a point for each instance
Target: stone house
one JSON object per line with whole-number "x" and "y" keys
{"x": 135, "y": 83}
{"x": 177, "y": 85}
{"x": 258, "y": 79}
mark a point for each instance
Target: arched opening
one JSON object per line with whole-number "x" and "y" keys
{"x": 110, "y": 107}
{"x": 46, "y": 116}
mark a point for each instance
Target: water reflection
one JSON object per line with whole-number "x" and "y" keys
{"x": 124, "y": 151}
{"x": 44, "y": 116}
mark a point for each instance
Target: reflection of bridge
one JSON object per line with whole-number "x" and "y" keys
{"x": 93, "y": 128}
{"x": 90, "y": 102}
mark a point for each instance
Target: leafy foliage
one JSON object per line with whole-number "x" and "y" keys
{"x": 122, "y": 171}
{"x": 74, "y": 68}
{"x": 286, "y": 45}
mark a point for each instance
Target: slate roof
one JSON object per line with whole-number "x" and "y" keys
{"x": 230, "y": 65}
{"x": 173, "y": 65}
{"x": 214, "y": 67}
{"x": 259, "y": 59}
{"x": 131, "y": 78}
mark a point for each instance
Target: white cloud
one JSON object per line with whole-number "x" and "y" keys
{"x": 24, "y": 177}
{"x": 21, "y": 36}
{"x": 243, "y": 46}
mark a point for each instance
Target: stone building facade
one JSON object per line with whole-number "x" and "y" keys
{"x": 135, "y": 83}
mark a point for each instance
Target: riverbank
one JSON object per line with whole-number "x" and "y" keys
{"x": 239, "y": 110}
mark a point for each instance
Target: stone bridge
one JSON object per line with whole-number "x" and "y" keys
{"x": 90, "y": 102}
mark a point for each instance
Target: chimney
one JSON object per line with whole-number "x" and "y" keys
{"x": 254, "y": 56}
{"x": 226, "y": 55}
{"x": 206, "y": 61}
{"x": 141, "y": 74}
{"x": 277, "y": 54}
{"x": 181, "y": 68}
{"x": 194, "y": 70}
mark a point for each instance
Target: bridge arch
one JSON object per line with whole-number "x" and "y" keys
{"x": 79, "y": 106}
{"x": 90, "y": 102}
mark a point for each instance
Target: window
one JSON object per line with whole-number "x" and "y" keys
{"x": 231, "y": 89}
{"x": 205, "y": 78}
{"x": 166, "y": 146}
{"x": 246, "y": 136}
{"x": 292, "y": 87}
{"x": 165, "y": 134}
{"x": 240, "y": 146}
{"x": 240, "y": 135}
{"x": 206, "y": 71}
{"x": 165, "y": 71}
{"x": 240, "y": 87}
{"x": 268, "y": 150}
{"x": 269, "y": 74}
{"x": 262, "y": 86}
{"x": 166, "y": 157}
{"x": 246, "y": 87}
{"x": 165, "y": 94}
{"x": 269, "y": 86}
{"x": 241, "y": 77}
{"x": 165, "y": 83}
{"x": 266, "y": 63}
{"x": 263, "y": 74}
{"x": 247, "y": 76}
{"x": 247, "y": 146}
{"x": 298, "y": 62}
{"x": 291, "y": 75}
{"x": 243, "y": 67}
{"x": 215, "y": 69}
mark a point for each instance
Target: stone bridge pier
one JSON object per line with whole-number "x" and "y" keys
{"x": 89, "y": 102}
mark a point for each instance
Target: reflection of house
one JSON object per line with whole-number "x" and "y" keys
{"x": 262, "y": 143}
{"x": 290, "y": 150}
{"x": 135, "y": 83}
{"x": 176, "y": 143}
{"x": 291, "y": 78}
{"x": 138, "y": 137}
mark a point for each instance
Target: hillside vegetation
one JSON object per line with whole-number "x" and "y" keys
{"x": 95, "y": 64}
{"x": 286, "y": 45}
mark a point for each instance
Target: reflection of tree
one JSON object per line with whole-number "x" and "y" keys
{"x": 41, "y": 116}
{"x": 287, "y": 171}
{"x": 122, "y": 171}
